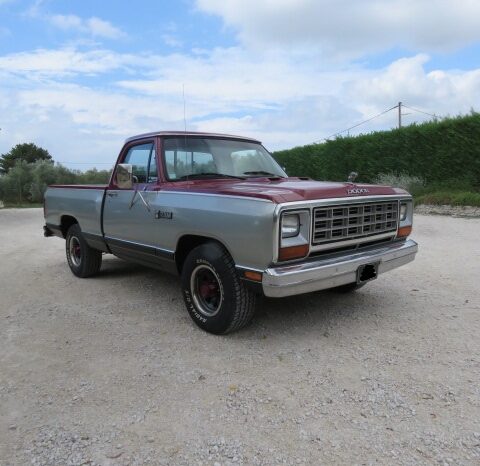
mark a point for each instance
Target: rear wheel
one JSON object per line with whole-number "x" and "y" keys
{"x": 216, "y": 299}
{"x": 83, "y": 260}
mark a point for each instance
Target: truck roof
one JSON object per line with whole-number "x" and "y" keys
{"x": 189, "y": 133}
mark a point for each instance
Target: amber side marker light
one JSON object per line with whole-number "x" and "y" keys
{"x": 255, "y": 276}
{"x": 404, "y": 231}
{"x": 293, "y": 252}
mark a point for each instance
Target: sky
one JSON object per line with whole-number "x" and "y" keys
{"x": 78, "y": 77}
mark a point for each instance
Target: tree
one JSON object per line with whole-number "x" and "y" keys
{"x": 43, "y": 174}
{"x": 27, "y": 152}
{"x": 14, "y": 187}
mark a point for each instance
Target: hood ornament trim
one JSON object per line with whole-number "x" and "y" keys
{"x": 355, "y": 190}
{"x": 352, "y": 177}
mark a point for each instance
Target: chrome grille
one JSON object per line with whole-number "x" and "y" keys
{"x": 354, "y": 221}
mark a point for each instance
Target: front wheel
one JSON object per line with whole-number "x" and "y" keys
{"x": 216, "y": 299}
{"x": 83, "y": 260}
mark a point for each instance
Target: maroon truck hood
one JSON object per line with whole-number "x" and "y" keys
{"x": 284, "y": 190}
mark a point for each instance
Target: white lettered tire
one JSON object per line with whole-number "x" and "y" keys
{"x": 216, "y": 298}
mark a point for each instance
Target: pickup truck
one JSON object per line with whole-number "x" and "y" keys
{"x": 220, "y": 212}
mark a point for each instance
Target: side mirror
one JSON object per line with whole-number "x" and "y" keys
{"x": 124, "y": 176}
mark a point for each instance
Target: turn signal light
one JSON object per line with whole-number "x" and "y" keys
{"x": 255, "y": 276}
{"x": 404, "y": 231}
{"x": 293, "y": 252}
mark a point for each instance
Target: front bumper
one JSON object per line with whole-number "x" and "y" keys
{"x": 320, "y": 274}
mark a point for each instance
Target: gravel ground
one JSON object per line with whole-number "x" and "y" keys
{"x": 111, "y": 371}
{"x": 454, "y": 211}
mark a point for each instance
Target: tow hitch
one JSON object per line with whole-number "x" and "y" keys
{"x": 367, "y": 272}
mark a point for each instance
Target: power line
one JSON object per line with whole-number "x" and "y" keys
{"x": 358, "y": 124}
{"x": 420, "y": 111}
{"x": 398, "y": 106}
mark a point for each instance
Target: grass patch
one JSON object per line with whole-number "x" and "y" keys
{"x": 460, "y": 198}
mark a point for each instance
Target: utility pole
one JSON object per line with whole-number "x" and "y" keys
{"x": 399, "y": 114}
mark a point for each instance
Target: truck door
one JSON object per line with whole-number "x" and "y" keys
{"x": 129, "y": 224}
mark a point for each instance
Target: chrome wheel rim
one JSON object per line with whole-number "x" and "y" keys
{"x": 75, "y": 250}
{"x": 207, "y": 291}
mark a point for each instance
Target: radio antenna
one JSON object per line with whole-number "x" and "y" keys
{"x": 185, "y": 125}
{"x": 184, "y": 110}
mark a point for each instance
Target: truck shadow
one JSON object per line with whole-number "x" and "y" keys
{"x": 315, "y": 311}
{"x": 321, "y": 308}
{"x": 115, "y": 267}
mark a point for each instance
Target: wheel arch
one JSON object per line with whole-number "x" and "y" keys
{"x": 186, "y": 243}
{"x": 66, "y": 221}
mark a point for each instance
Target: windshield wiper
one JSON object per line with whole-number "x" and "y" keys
{"x": 209, "y": 174}
{"x": 261, "y": 172}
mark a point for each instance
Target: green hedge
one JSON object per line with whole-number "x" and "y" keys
{"x": 447, "y": 151}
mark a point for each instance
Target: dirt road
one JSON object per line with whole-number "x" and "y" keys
{"x": 111, "y": 371}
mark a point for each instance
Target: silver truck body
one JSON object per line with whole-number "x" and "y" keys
{"x": 243, "y": 225}
{"x": 246, "y": 227}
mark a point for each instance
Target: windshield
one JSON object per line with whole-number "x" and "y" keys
{"x": 194, "y": 157}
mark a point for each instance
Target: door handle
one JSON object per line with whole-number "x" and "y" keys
{"x": 112, "y": 194}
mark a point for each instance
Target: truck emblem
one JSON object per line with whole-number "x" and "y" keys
{"x": 357, "y": 191}
{"x": 163, "y": 214}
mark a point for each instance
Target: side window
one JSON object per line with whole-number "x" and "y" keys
{"x": 142, "y": 159}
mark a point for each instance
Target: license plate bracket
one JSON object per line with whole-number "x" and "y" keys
{"x": 367, "y": 272}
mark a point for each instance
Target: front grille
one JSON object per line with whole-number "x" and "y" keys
{"x": 353, "y": 221}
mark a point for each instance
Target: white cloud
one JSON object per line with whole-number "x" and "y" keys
{"x": 67, "y": 22}
{"x": 77, "y": 123}
{"x": 102, "y": 28}
{"x": 443, "y": 92}
{"x": 94, "y": 26}
{"x": 273, "y": 97}
{"x": 171, "y": 40}
{"x": 280, "y": 92}
{"x": 348, "y": 28}
{"x": 231, "y": 78}
{"x": 61, "y": 62}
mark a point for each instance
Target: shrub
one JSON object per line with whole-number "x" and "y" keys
{"x": 27, "y": 182}
{"x": 413, "y": 184}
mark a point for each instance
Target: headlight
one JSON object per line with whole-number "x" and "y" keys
{"x": 403, "y": 212}
{"x": 290, "y": 225}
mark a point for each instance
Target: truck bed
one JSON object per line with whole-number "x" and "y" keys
{"x": 80, "y": 202}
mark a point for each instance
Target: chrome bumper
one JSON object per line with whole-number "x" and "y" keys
{"x": 320, "y": 274}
